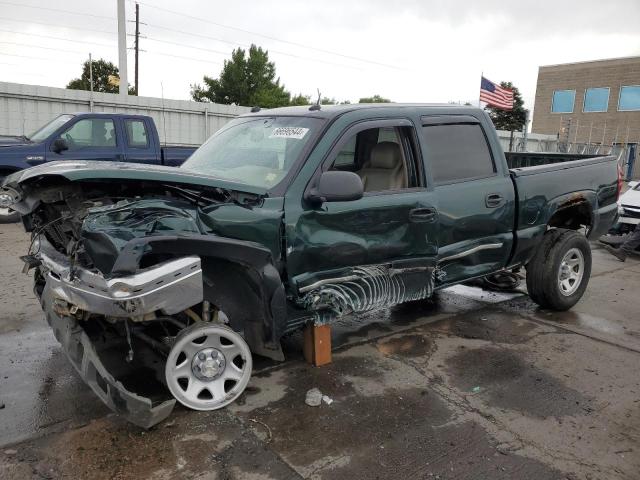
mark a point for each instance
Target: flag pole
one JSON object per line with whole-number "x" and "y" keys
{"x": 481, "y": 76}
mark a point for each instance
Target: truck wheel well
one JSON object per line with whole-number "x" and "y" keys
{"x": 572, "y": 216}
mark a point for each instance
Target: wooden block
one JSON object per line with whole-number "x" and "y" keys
{"x": 317, "y": 344}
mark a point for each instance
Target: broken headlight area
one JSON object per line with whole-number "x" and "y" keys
{"x": 107, "y": 229}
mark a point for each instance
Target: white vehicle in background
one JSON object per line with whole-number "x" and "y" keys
{"x": 629, "y": 208}
{"x": 629, "y": 216}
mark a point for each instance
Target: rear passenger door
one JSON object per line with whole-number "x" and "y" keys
{"x": 139, "y": 142}
{"x": 476, "y": 198}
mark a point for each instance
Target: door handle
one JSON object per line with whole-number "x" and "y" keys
{"x": 423, "y": 215}
{"x": 493, "y": 200}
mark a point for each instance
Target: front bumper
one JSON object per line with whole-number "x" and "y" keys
{"x": 82, "y": 354}
{"x": 169, "y": 287}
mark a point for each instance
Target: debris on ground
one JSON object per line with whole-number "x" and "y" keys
{"x": 327, "y": 399}
{"x": 314, "y": 398}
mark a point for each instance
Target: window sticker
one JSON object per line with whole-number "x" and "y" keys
{"x": 289, "y": 132}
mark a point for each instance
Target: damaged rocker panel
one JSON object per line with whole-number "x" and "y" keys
{"x": 366, "y": 288}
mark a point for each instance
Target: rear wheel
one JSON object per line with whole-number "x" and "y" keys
{"x": 208, "y": 367}
{"x": 559, "y": 272}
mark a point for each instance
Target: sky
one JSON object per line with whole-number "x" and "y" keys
{"x": 404, "y": 50}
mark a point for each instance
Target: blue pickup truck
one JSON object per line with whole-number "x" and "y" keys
{"x": 87, "y": 136}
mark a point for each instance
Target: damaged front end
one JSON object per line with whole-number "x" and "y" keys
{"x": 128, "y": 272}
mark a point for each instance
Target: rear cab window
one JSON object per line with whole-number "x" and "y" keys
{"x": 457, "y": 152}
{"x": 137, "y": 133}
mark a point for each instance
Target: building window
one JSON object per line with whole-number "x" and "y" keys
{"x": 563, "y": 101}
{"x": 596, "y": 99}
{"x": 629, "y": 98}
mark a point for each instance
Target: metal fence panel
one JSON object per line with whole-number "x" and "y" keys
{"x": 25, "y": 108}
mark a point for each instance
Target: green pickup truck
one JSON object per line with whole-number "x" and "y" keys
{"x": 287, "y": 217}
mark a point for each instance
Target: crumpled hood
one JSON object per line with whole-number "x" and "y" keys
{"x": 85, "y": 170}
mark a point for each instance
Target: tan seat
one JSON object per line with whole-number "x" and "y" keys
{"x": 384, "y": 170}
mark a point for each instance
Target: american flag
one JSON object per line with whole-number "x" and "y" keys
{"x": 495, "y": 96}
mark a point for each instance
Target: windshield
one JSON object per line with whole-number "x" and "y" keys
{"x": 254, "y": 151}
{"x": 44, "y": 132}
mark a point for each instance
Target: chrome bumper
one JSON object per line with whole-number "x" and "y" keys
{"x": 169, "y": 287}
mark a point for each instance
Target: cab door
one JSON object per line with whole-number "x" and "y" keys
{"x": 89, "y": 138}
{"x": 475, "y": 193}
{"x": 376, "y": 251}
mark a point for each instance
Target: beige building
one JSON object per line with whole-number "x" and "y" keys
{"x": 596, "y": 102}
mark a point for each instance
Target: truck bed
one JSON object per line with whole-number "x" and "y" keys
{"x": 557, "y": 181}
{"x": 533, "y": 159}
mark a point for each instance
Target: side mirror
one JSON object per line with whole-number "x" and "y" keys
{"x": 59, "y": 145}
{"x": 337, "y": 186}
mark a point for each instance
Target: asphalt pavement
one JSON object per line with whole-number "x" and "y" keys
{"x": 474, "y": 385}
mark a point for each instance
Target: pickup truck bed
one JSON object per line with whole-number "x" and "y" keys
{"x": 292, "y": 217}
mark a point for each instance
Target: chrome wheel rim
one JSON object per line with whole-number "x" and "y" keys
{"x": 208, "y": 367}
{"x": 571, "y": 272}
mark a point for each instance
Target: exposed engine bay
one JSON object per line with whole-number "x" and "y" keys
{"x": 119, "y": 270}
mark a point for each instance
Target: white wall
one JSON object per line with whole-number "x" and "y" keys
{"x": 25, "y": 108}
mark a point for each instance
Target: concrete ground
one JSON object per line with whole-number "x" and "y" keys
{"x": 473, "y": 386}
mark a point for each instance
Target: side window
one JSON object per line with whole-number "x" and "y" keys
{"x": 91, "y": 132}
{"x": 384, "y": 158}
{"x": 457, "y": 153}
{"x": 137, "y": 136}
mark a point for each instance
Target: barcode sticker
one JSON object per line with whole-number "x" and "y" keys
{"x": 289, "y": 132}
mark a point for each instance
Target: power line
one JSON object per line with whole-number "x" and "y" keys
{"x": 92, "y": 30}
{"x": 58, "y": 10}
{"x": 50, "y": 59}
{"x": 56, "y": 38}
{"x": 301, "y": 45}
{"x": 182, "y": 57}
{"x": 186, "y": 46}
{"x": 236, "y": 44}
{"x": 43, "y": 48}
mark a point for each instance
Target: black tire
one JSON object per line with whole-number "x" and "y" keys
{"x": 543, "y": 271}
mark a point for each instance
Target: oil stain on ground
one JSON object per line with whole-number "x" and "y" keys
{"x": 507, "y": 381}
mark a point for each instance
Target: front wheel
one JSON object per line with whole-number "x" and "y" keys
{"x": 208, "y": 367}
{"x": 559, "y": 272}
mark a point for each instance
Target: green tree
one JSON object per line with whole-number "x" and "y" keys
{"x": 248, "y": 80}
{"x": 375, "y": 99}
{"x": 300, "y": 100}
{"x": 102, "y": 70}
{"x": 511, "y": 120}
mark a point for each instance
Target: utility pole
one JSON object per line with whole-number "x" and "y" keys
{"x": 90, "y": 84}
{"x": 137, "y": 46}
{"x": 122, "y": 48}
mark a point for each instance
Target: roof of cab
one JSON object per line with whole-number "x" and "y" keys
{"x": 330, "y": 111}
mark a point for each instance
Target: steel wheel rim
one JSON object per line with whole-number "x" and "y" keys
{"x": 571, "y": 272}
{"x": 224, "y": 380}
